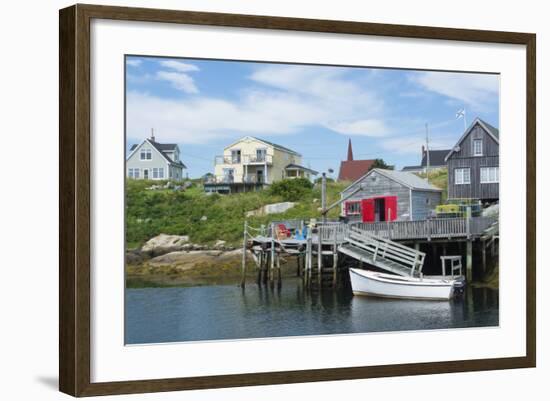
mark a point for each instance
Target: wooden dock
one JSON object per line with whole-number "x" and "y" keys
{"x": 318, "y": 254}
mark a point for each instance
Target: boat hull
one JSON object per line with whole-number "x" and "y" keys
{"x": 369, "y": 283}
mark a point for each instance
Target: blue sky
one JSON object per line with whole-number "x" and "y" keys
{"x": 204, "y": 105}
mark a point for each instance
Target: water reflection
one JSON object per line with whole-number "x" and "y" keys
{"x": 228, "y": 312}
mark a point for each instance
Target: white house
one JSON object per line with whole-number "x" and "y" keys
{"x": 252, "y": 163}
{"x": 151, "y": 160}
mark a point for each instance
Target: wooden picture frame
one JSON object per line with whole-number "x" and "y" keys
{"x": 75, "y": 207}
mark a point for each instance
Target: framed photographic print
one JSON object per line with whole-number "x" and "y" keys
{"x": 250, "y": 200}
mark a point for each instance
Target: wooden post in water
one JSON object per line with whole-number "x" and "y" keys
{"x": 243, "y": 277}
{"x": 264, "y": 266}
{"x": 272, "y": 256}
{"x": 335, "y": 262}
{"x": 468, "y": 246}
{"x": 483, "y": 257}
{"x": 279, "y": 278}
{"x": 319, "y": 255}
{"x": 309, "y": 256}
{"x": 260, "y": 261}
{"x": 469, "y": 266}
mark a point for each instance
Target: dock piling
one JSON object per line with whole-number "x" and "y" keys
{"x": 272, "y": 256}
{"x": 469, "y": 261}
{"x": 319, "y": 256}
{"x": 243, "y": 273}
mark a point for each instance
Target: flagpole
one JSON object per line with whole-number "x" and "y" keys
{"x": 427, "y": 154}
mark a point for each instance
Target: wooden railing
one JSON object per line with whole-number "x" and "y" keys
{"x": 386, "y": 249}
{"x": 332, "y": 231}
{"x": 433, "y": 228}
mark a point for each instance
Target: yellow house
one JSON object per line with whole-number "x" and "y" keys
{"x": 251, "y": 163}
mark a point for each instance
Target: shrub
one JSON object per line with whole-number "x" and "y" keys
{"x": 292, "y": 190}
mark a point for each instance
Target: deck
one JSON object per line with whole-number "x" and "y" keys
{"x": 378, "y": 244}
{"x": 452, "y": 228}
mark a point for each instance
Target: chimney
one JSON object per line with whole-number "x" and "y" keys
{"x": 350, "y": 151}
{"x": 423, "y": 150}
{"x": 152, "y": 135}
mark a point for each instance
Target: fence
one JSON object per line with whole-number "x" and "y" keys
{"x": 432, "y": 228}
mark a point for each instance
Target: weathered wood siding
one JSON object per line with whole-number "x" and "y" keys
{"x": 423, "y": 202}
{"x": 464, "y": 158}
{"x": 381, "y": 186}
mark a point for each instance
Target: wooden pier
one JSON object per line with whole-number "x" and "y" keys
{"x": 320, "y": 251}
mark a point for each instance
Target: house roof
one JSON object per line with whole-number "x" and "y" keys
{"x": 412, "y": 168}
{"x": 280, "y": 147}
{"x": 294, "y": 166}
{"x": 492, "y": 131}
{"x": 409, "y": 180}
{"x": 437, "y": 158}
{"x": 161, "y": 148}
{"x": 351, "y": 170}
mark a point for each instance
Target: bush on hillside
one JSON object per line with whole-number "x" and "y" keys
{"x": 291, "y": 190}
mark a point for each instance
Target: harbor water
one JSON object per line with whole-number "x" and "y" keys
{"x": 223, "y": 312}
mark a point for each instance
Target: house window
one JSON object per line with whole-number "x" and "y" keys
{"x": 478, "y": 147}
{"x": 158, "y": 172}
{"x": 235, "y": 156}
{"x": 145, "y": 154}
{"x": 353, "y": 208}
{"x": 133, "y": 173}
{"x": 462, "y": 176}
{"x": 260, "y": 155}
{"x": 488, "y": 175}
{"x": 228, "y": 175}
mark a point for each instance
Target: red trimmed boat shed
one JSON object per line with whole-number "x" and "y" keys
{"x": 388, "y": 195}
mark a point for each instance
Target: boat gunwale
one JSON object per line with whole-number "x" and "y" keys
{"x": 401, "y": 280}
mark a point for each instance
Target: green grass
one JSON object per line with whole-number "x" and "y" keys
{"x": 438, "y": 178}
{"x": 152, "y": 212}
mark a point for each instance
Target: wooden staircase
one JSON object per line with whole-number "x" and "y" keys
{"x": 382, "y": 253}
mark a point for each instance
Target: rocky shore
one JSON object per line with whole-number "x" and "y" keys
{"x": 171, "y": 260}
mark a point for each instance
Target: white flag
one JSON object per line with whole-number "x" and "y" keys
{"x": 460, "y": 113}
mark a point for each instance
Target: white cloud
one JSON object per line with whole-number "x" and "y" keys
{"x": 281, "y": 100}
{"x": 372, "y": 127}
{"x": 178, "y": 80}
{"x": 178, "y": 66}
{"x": 476, "y": 90}
{"x": 412, "y": 144}
{"x": 133, "y": 62}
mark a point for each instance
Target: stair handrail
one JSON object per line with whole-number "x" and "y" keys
{"x": 408, "y": 257}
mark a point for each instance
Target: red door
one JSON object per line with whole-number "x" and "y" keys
{"x": 391, "y": 208}
{"x": 367, "y": 209}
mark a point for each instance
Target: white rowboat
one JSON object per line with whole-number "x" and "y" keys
{"x": 364, "y": 282}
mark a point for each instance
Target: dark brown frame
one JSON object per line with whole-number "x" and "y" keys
{"x": 74, "y": 202}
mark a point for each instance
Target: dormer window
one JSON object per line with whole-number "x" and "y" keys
{"x": 478, "y": 147}
{"x": 145, "y": 154}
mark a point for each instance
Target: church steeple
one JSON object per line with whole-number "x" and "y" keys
{"x": 350, "y": 151}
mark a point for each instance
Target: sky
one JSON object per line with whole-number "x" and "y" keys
{"x": 205, "y": 105}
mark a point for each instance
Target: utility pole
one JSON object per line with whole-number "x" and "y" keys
{"x": 324, "y": 196}
{"x": 427, "y": 154}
